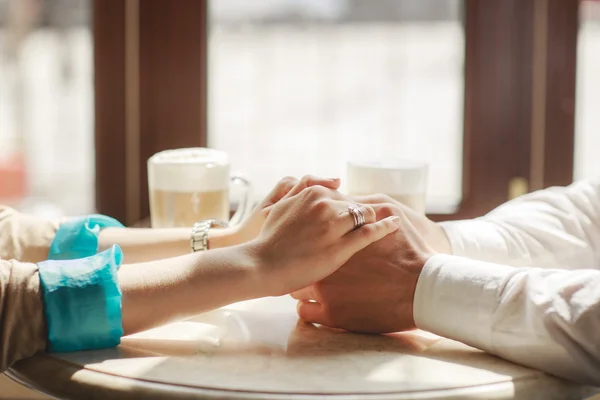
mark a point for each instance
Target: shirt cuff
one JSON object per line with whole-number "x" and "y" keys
{"x": 78, "y": 237}
{"x": 82, "y": 301}
{"x": 457, "y": 297}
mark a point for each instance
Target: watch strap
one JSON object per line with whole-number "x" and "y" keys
{"x": 199, "y": 237}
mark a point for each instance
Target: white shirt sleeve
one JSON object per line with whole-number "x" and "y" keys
{"x": 546, "y": 319}
{"x": 552, "y": 228}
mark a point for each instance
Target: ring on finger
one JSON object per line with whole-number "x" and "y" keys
{"x": 357, "y": 214}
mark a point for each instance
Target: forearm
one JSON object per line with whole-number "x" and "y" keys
{"x": 153, "y": 293}
{"x": 157, "y": 292}
{"x": 542, "y": 318}
{"x": 552, "y": 228}
{"x": 144, "y": 245}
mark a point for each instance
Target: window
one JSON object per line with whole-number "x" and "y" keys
{"x": 299, "y": 87}
{"x": 46, "y": 103}
{"x": 483, "y": 90}
{"x": 587, "y": 133}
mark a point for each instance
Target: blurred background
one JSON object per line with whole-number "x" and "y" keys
{"x": 499, "y": 98}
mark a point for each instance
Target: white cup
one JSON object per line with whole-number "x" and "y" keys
{"x": 401, "y": 179}
{"x": 189, "y": 185}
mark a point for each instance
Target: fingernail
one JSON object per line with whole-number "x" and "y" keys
{"x": 334, "y": 179}
{"x": 395, "y": 219}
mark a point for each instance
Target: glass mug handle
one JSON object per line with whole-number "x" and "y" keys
{"x": 245, "y": 206}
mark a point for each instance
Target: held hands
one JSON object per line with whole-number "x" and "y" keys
{"x": 374, "y": 291}
{"x": 308, "y": 235}
{"x": 302, "y": 233}
{"x": 384, "y": 205}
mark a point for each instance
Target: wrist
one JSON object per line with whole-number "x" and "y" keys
{"x": 437, "y": 238}
{"x": 406, "y": 306}
{"x": 248, "y": 260}
{"x": 267, "y": 281}
{"x": 224, "y": 237}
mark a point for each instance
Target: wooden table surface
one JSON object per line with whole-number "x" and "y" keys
{"x": 259, "y": 350}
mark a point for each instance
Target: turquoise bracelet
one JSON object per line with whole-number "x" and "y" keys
{"x": 82, "y": 301}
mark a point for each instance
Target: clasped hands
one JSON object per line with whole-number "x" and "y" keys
{"x": 361, "y": 280}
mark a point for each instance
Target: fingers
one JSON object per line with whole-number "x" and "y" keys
{"x": 370, "y": 199}
{"x": 345, "y": 220}
{"x": 282, "y": 188}
{"x": 312, "y": 312}
{"x": 308, "y": 293}
{"x": 310, "y": 180}
{"x": 360, "y": 238}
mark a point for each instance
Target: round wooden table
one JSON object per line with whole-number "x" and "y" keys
{"x": 259, "y": 350}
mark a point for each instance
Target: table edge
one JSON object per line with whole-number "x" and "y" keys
{"x": 104, "y": 385}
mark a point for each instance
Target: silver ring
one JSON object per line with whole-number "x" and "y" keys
{"x": 357, "y": 214}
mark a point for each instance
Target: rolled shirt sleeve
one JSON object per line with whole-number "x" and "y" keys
{"x": 71, "y": 302}
{"x": 82, "y": 301}
{"x": 78, "y": 237}
{"x": 59, "y": 305}
{"x": 557, "y": 227}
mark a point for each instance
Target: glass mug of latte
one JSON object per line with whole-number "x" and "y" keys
{"x": 190, "y": 185}
{"x": 401, "y": 179}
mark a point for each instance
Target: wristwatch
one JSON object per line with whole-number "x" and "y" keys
{"x": 199, "y": 238}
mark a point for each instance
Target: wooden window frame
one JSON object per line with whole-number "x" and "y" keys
{"x": 520, "y": 65}
{"x": 150, "y": 93}
{"x": 150, "y": 59}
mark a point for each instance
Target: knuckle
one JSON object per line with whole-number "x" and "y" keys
{"x": 287, "y": 181}
{"x": 309, "y": 192}
{"x": 369, "y": 213}
{"x": 322, "y": 206}
{"x": 388, "y": 209}
{"x": 382, "y": 210}
{"x": 387, "y": 224}
{"x": 306, "y": 179}
{"x": 317, "y": 192}
{"x": 264, "y": 213}
{"x": 382, "y": 198}
{"x": 366, "y": 231}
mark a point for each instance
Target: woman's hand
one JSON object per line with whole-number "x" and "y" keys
{"x": 308, "y": 235}
{"x": 250, "y": 228}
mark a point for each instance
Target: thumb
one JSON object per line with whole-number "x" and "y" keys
{"x": 312, "y": 312}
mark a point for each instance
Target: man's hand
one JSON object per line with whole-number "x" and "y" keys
{"x": 373, "y": 292}
{"x": 432, "y": 232}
